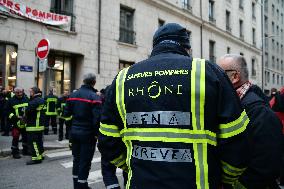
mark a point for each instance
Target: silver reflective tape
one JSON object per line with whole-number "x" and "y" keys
{"x": 159, "y": 118}
{"x": 75, "y": 176}
{"x": 162, "y": 154}
{"x": 112, "y": 186}
{"x": 82, "y": 181}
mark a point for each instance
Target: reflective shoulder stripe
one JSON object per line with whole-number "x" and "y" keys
{"x": 230, "y": 173}
{"x": 197, "y": 84}
{"x": 32, "y": 128}
{"x": 120, "y": 94}
{"x": 68, "y": 118}
{"x": 20, "y": 105}
{"x": 235, "y": 127}
{"x": 169, "y": 135}
{"x": 109, "y": 130}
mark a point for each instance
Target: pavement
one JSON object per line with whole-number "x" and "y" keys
{"x": 50, "y": 142}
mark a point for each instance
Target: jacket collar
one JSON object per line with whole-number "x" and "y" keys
{"x": 168, "y": 48}
{"x": 88, "y": 87}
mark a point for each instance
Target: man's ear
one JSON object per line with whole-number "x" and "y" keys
{"x": 236, "y": 78}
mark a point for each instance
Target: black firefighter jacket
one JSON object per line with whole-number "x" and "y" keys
{"x": 84, "y": 106}
{"x": 265, "y": 140}
{"x": 172, "y": 122}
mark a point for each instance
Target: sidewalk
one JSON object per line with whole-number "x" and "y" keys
{"x": 50, "y": 142}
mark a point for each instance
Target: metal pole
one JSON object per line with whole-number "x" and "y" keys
{"x": 263, "y": 38}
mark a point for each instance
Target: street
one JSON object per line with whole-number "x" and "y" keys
{"x": 55, "y": 172}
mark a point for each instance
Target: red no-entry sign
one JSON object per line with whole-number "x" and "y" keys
{"x": 42, "y": 49}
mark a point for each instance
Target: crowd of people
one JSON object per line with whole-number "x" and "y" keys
{"x": 197, "y": 125}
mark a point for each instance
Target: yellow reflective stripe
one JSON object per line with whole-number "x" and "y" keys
{"x": 233, "y": 170}
{"x": 20, "y": 125}
{"x": 238, "y": 185}
{"x": 120, "y": 94}
{"x": 197, "y": 109}
{"x": 109, "y": 130}
{"x": 51, "y": 100}
{"x": 235, "y": 127}
{"x": 31, "y": 128}
{"x": 169, "y": 135}
{"x": 20, "y": 105}
{"x": 38, "y": 156}
{"x": 118, "y": 162}
{"x": 228, "y": 180}
{"x": 128, "y": 161}
{"x": 11, "y": 115}
{"x": 68, "y": 118}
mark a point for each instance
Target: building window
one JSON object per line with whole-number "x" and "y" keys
{"x": 282, "y": 68}
{"x": 277, "y": 47}
{"x": 124, "y": 64}
{"x": 8, "y": 66}
{"x": 126, "y": 33}
{"x": 277, "y": 14}
{"x": 253, "y": 37}
{"x": 228, "y": 50}
{"x": 268, "y": 77}
{"x": 253, "y": 70}
{"x": 277, "y": 79}
{"x": 266, "y": 42}
{"x": 212, "y": 56}
{"x": 186, "y": 5}
{"x": 242, "y": 54}
{"x": 277, "y": 30}
{"x": 282, "y": 18}
{"x": 273, "y": 62}
{"x": 273, "y": 78}
{"x": 241, "y": 4}
{"x": 211, "y": 12}
{"x": 241, "y": 30}
{"x": 273, "y": 44}
{"x": 273, "y": 10}
{"x": 161, "y": 22}
{"x": 253, "y": 10}
{"x": 266, "y": 22}
{"x": 64, "y": 7}
{"x": 265, "y": 5}
{"x": 273, "y": 29}
{"x": 228, "y": 21}
{"x": 266, "y": 60}
{"x": 277, "y": 64}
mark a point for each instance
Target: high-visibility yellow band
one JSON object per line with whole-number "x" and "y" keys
{"x": 169, "y": 135}
{"x": 51, "y": 100}
{"x": 38, "y": 156}
{"x": 20, "y": 105}
{"x": 121, "y": 160}
{"x": 31, "y": 128}
{"x": 233, "y": 171}
{"x": 238, "y": 185}
{"x": 109, "y": 130}
{"x": 11, "y": 115}
{"x": 235, "y": 127}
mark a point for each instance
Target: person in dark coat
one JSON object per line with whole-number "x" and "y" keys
{"x": 264, "y": 128}
{"x": 84, "y": 106}
{"x": 51, "y": 112}
{"x": 3, "y": 114}
{"x": 34, "y": 118}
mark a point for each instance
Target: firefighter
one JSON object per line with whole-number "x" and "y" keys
{"x": 67, "y": 120}
{"x": 34, "y": 117}
{"x": 84, "y": 106}
{"x": 51, "y": 112}
{"x": 174, "y": 122}
{"x": 264, "y": 129}
{"x": 16, "y": 108}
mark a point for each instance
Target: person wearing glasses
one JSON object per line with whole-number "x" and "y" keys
{"x": 264, "y": 128}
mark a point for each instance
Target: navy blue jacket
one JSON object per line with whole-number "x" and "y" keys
{"x": 84, "y": 106}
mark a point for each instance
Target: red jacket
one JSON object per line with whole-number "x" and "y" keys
{"x": 280, "y": 115}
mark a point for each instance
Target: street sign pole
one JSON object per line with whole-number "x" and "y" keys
{"x": 42, "y": 51}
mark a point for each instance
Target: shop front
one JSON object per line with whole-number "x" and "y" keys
{"x": 60, "y": 73}
{"x": 8, "y": 66}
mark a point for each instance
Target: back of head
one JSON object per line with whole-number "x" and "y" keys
{"x": 36, "y": 90}
{"x": 89, "y": 79}
{"x": 172, "y": 33}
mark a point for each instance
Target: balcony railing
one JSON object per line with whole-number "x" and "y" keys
{"x": 127, "y": 35}
{"x": 212, "y": 19}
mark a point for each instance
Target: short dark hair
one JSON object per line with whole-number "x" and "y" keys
{"x": 36, "y": 90}
{"x": 89, "y": 79}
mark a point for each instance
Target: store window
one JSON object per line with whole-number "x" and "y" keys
{"x": 8, "y": 66}
{"x": 58, "y": 73}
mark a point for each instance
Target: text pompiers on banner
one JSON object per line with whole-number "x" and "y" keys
{"x": 34, "y": 14}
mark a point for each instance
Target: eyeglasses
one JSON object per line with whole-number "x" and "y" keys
{"x": 230, "y": 71}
